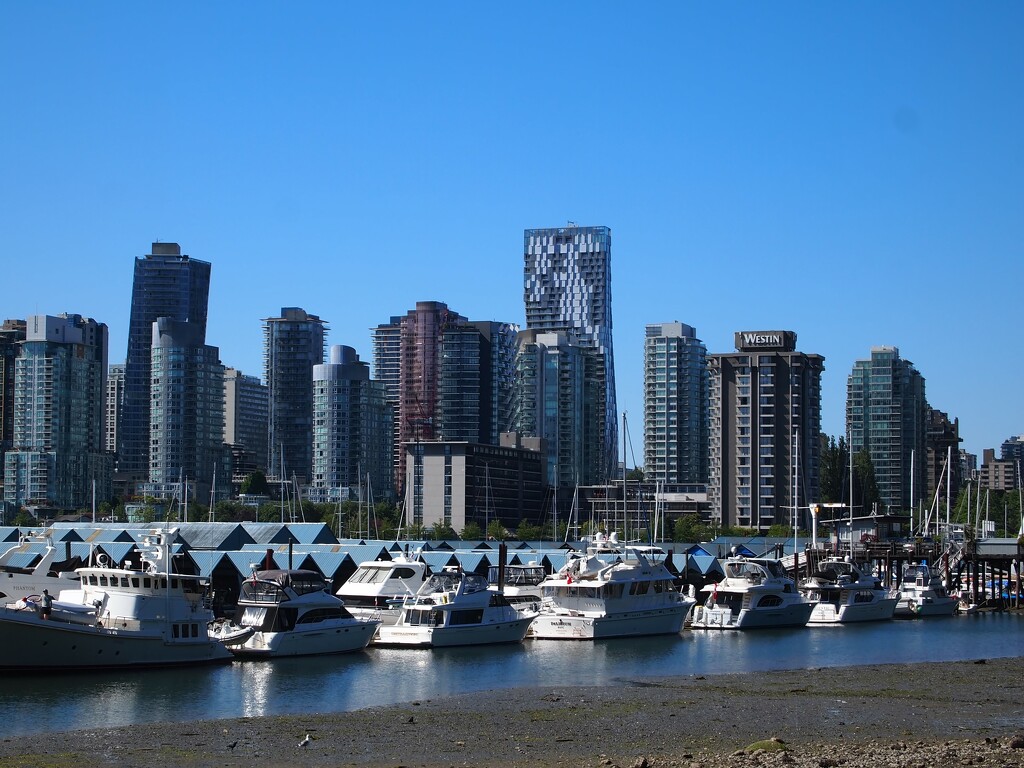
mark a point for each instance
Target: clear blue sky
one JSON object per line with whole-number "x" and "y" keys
{"x": 849, "y": 171}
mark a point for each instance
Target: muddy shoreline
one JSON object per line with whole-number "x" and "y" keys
{"x": 958, "y": 713}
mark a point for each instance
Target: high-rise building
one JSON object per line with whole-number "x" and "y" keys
{"x": 942, "y": 446}
{"x": 246, "y": 409}
{"x": 675, "y": 405}
{"x": 12, "y": 333}
{"x": 567, "y": 288}
{"x": 556, "y": 390}
{"x": 1012, "y": 449}
{"x": 765, "y": 431}
{"x": 477, "y": 370}
{"x": 886, "y": 414}
{"x": 187, "y": 413}
{"x": 167, "y": 284}
{"x": 997, "y": 474}
{"x": 292, "y": 344}
{"x": 387, "y": 370}
{"x": 58, "y": 455}
{"x": 351, "y": 431}
{"x": 112, "y": 405}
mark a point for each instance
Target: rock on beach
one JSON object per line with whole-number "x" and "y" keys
{"x": 884, "y": 716}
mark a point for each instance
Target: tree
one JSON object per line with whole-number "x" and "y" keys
{"x": 635, "y": 475}
{"x": 496, "y": 531}
{"x": 690, "y": 528}
{"x": 472, "y": 532}
{"x": 441, "y": 531}
{"x": 865, "y": 488}
{"x": 529, "y": 532}
{"x": 835, "y": 458}
{"x": 255, "y": 484}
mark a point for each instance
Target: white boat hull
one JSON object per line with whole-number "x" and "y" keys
{"x": 928, "y": 606}
{"x": 28, "y": 642}
{"x": 442, "y": 637}
{"x": 829, "y": 613}
{"x": 658, "y": 621}
{"x": 721, "y": 617}
{"x": 342, "y": 638}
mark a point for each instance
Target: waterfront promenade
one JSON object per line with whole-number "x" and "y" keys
{"x": 952, "y": 713}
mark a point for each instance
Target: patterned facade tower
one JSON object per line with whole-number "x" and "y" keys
{"x": 351, "y": 431}
{"x": 187, "y": 413}
{"x": 675, "y": 405}
{"x": 765, "y": 431}
{"x": 886, "y": 413}
{"x": 292, "y": 344}
{"x": 567, "y": 289}
{"x": 58, "y": 453}
{"x": 166, "y": 284}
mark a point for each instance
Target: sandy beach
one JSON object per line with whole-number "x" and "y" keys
{"x": 956, "y": 713}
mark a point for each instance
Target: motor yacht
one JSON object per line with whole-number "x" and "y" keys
{"x": 922, "y": 594}
{"x": 520, "y": 584}
{"x": 455, "y": 607}
{"x": 293, "y": 613}
{"x": 591, "y": 598}
{"x": 115, "y": 618}
{"x": 377, "y": 588}
{"x": 842, "y": 593}
{"x": 30, "y": 566}
{"x": 756, "y": 593}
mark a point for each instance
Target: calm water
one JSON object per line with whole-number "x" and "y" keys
{"x": 388, "y": 676}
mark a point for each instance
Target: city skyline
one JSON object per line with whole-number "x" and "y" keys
{"x": 851, "y": 174}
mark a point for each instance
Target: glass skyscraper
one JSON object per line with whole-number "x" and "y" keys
{"x": 58, "y": 451}
{"x": 886, "y": 413}
{"x": 166, "y": 284}
{"x": 351, "y": 430}
{"x": 675, "y": 405}
{"x": 187, "y": 411}
{"x": 292, "y": 344}
{"x": 567, "y": 289}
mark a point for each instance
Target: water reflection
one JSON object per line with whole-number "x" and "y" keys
{"x": 380, "y": 676}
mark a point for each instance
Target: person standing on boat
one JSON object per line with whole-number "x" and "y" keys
{"x": 47, "y": 605}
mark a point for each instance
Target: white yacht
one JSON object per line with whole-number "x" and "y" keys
{"x": 18, "y": 581}
{"x": 292, "y": 613}
{"x": 755, "y": 593}
{"x": 922, "y": 594}
{"x": 843, "y": 593}
{"x": 521, "y": 584}
{"x": 377, "y": 588}
{"x": 454, "y": 607}
{"x": 116, "y": 618}
{"x": 590, "y": 598}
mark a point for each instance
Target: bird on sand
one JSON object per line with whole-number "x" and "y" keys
{"x": 306, "y": 741}
{"x": 233, "y": 744}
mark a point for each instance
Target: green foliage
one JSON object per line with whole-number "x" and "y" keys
{"x": 496, "y": 531}
{"x": 472, "y": 532}
{"x": 690, "y": 528}
{"x": 255, "y": 485}
{"x": 835, "y": 459}
{"x": 635, "y": 475}
{"x": 527, "y": 531}
{"x": 865, "y": 489}
{"x": 24, "y": 520}
{"x": 440, "y": 531}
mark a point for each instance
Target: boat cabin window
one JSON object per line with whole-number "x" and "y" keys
{"x": 613, "y": 591}
{"x": 174, "y": 583}
{"x": 103, "y": 581}
{"x": 424, "y": 618}
{"x": 317, "y": 615}
{"x": 147, "y": 582}
{"x": 473, "y": 616}
{"x": 864, "y": 596}
{"x": 639, "y": 587}
{"x": 769, "y": 601}
{"x": 135, "y": 581}
{"x": 124, "y": 581}
{"x": 405, "y": 573}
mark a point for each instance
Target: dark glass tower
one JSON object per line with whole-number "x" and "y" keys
{"x": 166, "y": 284}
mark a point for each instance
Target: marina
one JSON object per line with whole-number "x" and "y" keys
{"x": 380, "y": 676}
